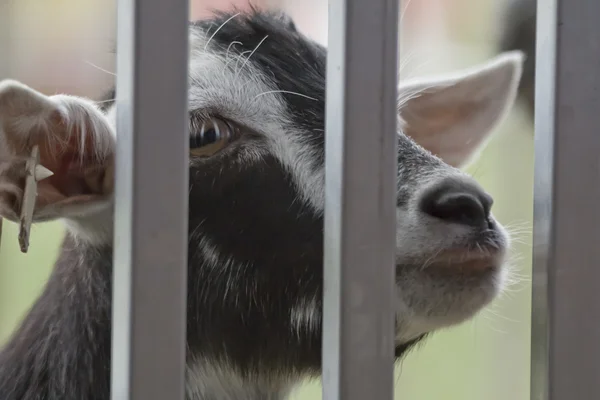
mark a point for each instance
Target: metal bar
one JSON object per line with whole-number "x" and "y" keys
{"x": 566, "y": 279}
{"x": 150, "y": 246}
{"x": 360, "y": 200}
{"x": 6, "y": 9}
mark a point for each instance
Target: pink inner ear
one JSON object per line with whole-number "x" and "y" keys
{"x": 452, "y": 133}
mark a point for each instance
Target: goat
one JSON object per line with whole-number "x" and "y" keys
{"x": 256, "y": 198}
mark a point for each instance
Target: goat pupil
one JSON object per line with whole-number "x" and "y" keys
{"x": 210, "y": 136}
{"x": 202, "y": 139}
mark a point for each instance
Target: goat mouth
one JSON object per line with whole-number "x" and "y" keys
{"x": 461, "y": 261}
{"x": 456, "y": 260}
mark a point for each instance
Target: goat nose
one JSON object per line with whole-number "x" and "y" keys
{"x": 458, "y": 201}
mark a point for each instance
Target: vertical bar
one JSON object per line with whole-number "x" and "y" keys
{"x": 150, "y": 247}
{"x": 5, "y": 27}
{"x": 566, "y": 279}
{"x": 6, "y": 9}
{"x": 360, "y": 200}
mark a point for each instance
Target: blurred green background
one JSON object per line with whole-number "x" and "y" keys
{"x": 62, "y": 45}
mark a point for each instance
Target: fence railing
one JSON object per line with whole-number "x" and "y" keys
{"x": 566, "y": 270}
{"x": 360, "y": 200}
{"x": 151, "y": 215}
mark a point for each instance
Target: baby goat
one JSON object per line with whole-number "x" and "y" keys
{"x": 257, "y": 101}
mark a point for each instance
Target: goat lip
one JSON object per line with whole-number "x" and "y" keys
{"x": 456, "y": 260}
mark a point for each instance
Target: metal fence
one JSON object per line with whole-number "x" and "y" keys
{"x": 150, "y": 253}
{"x": 151, "y": 213}
{"x": 566, "y": 269}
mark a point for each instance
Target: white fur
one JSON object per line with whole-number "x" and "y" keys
{"x": 216, "y": 381}
{"x": 25, "y": 112}
{"x": 305, "y": 316}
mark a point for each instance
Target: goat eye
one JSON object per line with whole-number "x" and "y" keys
{"x": 213, "y": 135}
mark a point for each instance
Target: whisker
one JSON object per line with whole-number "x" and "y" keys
{"x": 100, "y": 69}
{"x": 235, "y": 58}
{"x": 287, "y": 92}
{"x": 404, "y": 10}
{"x": 218, "y": 29}
{"x": 430, "y": 260}
{"x": 229, "y": 47}
{"x": 248, "y": 58}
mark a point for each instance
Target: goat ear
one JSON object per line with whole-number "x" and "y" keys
{"x": 453, "y": 116}
{"x": 75, "y": 142}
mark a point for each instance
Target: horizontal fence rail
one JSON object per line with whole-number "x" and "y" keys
{"x": 566, "y": 270}
{"x": 360, "y": 200}
{"x": 151, "y": 216}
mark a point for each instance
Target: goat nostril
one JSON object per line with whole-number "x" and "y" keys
{"x": 466, "y": 207}
{"x": 487, "y": 201}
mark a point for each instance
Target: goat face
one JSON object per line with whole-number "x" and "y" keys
{"x": 257, "y": 104}
{"x": 256, "y": 204}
